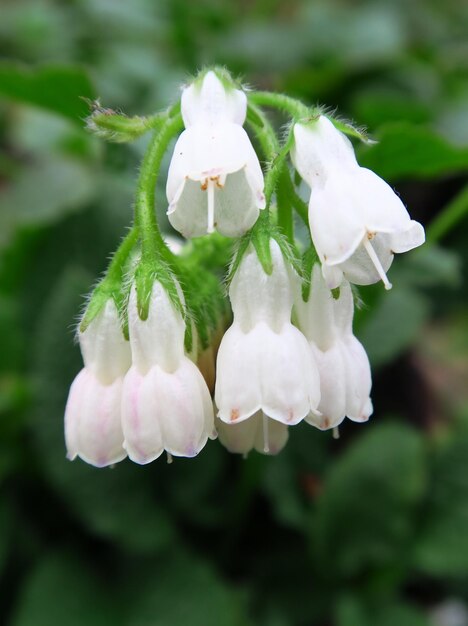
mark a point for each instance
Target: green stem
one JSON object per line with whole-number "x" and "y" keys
{"x": 295, "y": 108}
{"x": 119, "y": 259}
{"x": 111, "y": 285}
{"x": 152, "y": 243}
{"x": 277, "y": 176}
{"x": 453, "y": 213}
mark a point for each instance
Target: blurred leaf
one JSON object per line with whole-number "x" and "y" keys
{"x": 428, "y": 266}
{"x": 46, "y": 191}
{"x": 60, "y": 89}
{"x": 364, "y": 516}
{"x": 61, "y": 591}
{"x": 394, "y": 324}
{"x": 442, "y": 543}
{"x": 119, "y": 504}
{"x": 407, "y": 151}
{"x": 189, "y": 592}
{"x": 352, "y": 612}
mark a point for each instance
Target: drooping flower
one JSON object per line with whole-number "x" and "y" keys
{"x": 264, "y": 362}
{"x": 93, "y": 428}
{"x": 166, "y": 404}
{"x": 215, "y": 181}
{"x": 357, "y": 221}
{"x": 345, "y": 376}
{"x": 259, "y": 432}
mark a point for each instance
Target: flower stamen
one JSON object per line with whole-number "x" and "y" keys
{"x": 266, "y": 445}
{"x": 376, "y": 261}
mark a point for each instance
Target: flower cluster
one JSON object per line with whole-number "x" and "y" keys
{"x": 168, "y": 364}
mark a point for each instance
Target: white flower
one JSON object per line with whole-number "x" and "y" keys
{"x": 345, "y": 377}
{"x": 357, "y": 221}
{"x": 264, "y": 362}
{"x": 165, "y": 401}
{"x": 257, "y": 433}
{"x": 92, "y": 416}
{"x": 215, "y": 180}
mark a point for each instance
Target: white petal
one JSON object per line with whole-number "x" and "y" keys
{"x": 359, "y": 268}
{"x": 184, "y": 423}
{"x": 238, "y": 391}
{"x": 104, "y": 348}
{"x": 289, "y": 376}
{"x": 359, "y": 381}
{"x": 336, "y": 227}
{"x": 318, "y": 148}
{"x": 212, "y": 102}
{"x": 160, "y": 338}
{"x": 333, "y": 381}
{"x": 141, "y": 416}
{"x": 92, "y": 421}
{"x": 274, "y": 439}
{"x": 221, "y": 158}
{"x": 257, "y": 296}
{"x": 315, "y": 316}
{"x": 408, "y": 239}
{"x": 238, "y": 438}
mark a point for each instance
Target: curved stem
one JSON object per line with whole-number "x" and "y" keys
{"x": 453, "y": 213}
{"x": 145, "y": 213}
{"x": 120, "y": 257}
{"x": 295, "y": 108}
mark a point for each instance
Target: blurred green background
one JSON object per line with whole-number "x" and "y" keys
{"x": 370, "y": 530}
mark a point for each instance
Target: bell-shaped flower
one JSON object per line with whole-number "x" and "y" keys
{"x": 215, "y": 181}
{"x": 166, "y": 404}
{"x": 264, "y": 362}
{"x": 356, "y": 220}
{"x": 93, "y": 428}
{"x": 259, "y": 433}
{"x": 345, "y": 376}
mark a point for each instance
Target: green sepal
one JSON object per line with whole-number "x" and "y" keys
{"x": 146, "y": 274}
{"x": 348, "y": 128}
{"x": 261, "y": 243}
{"x": 222, "y": 73}
{"x": 309, "y": 259}
{"x": 335, "y": 293}
{"x": 119, "y": 128}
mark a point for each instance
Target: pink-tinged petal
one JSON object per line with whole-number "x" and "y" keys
{"x": 182, "y": 406}
{"x": 92, "y": 421}
{"x": 141, "y": 416}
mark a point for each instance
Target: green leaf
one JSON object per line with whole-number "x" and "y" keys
{"x": 117, "y": 504}
{"x": 394, "y": 324}
{"x": 442, "y": 543}
{"x": 352, "y": 612}
{"x": 186, "y": 591}
{"x": 44, "y": 192}
{"x": 364, "y": 516}
{"x": 60, "y": 89}
{"x": 62, "y": 591}
{"x": 407, "y": 151}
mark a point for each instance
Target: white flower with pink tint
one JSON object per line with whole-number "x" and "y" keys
{"x": 166, "y": 404}
{"x": 93, "y": 428}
